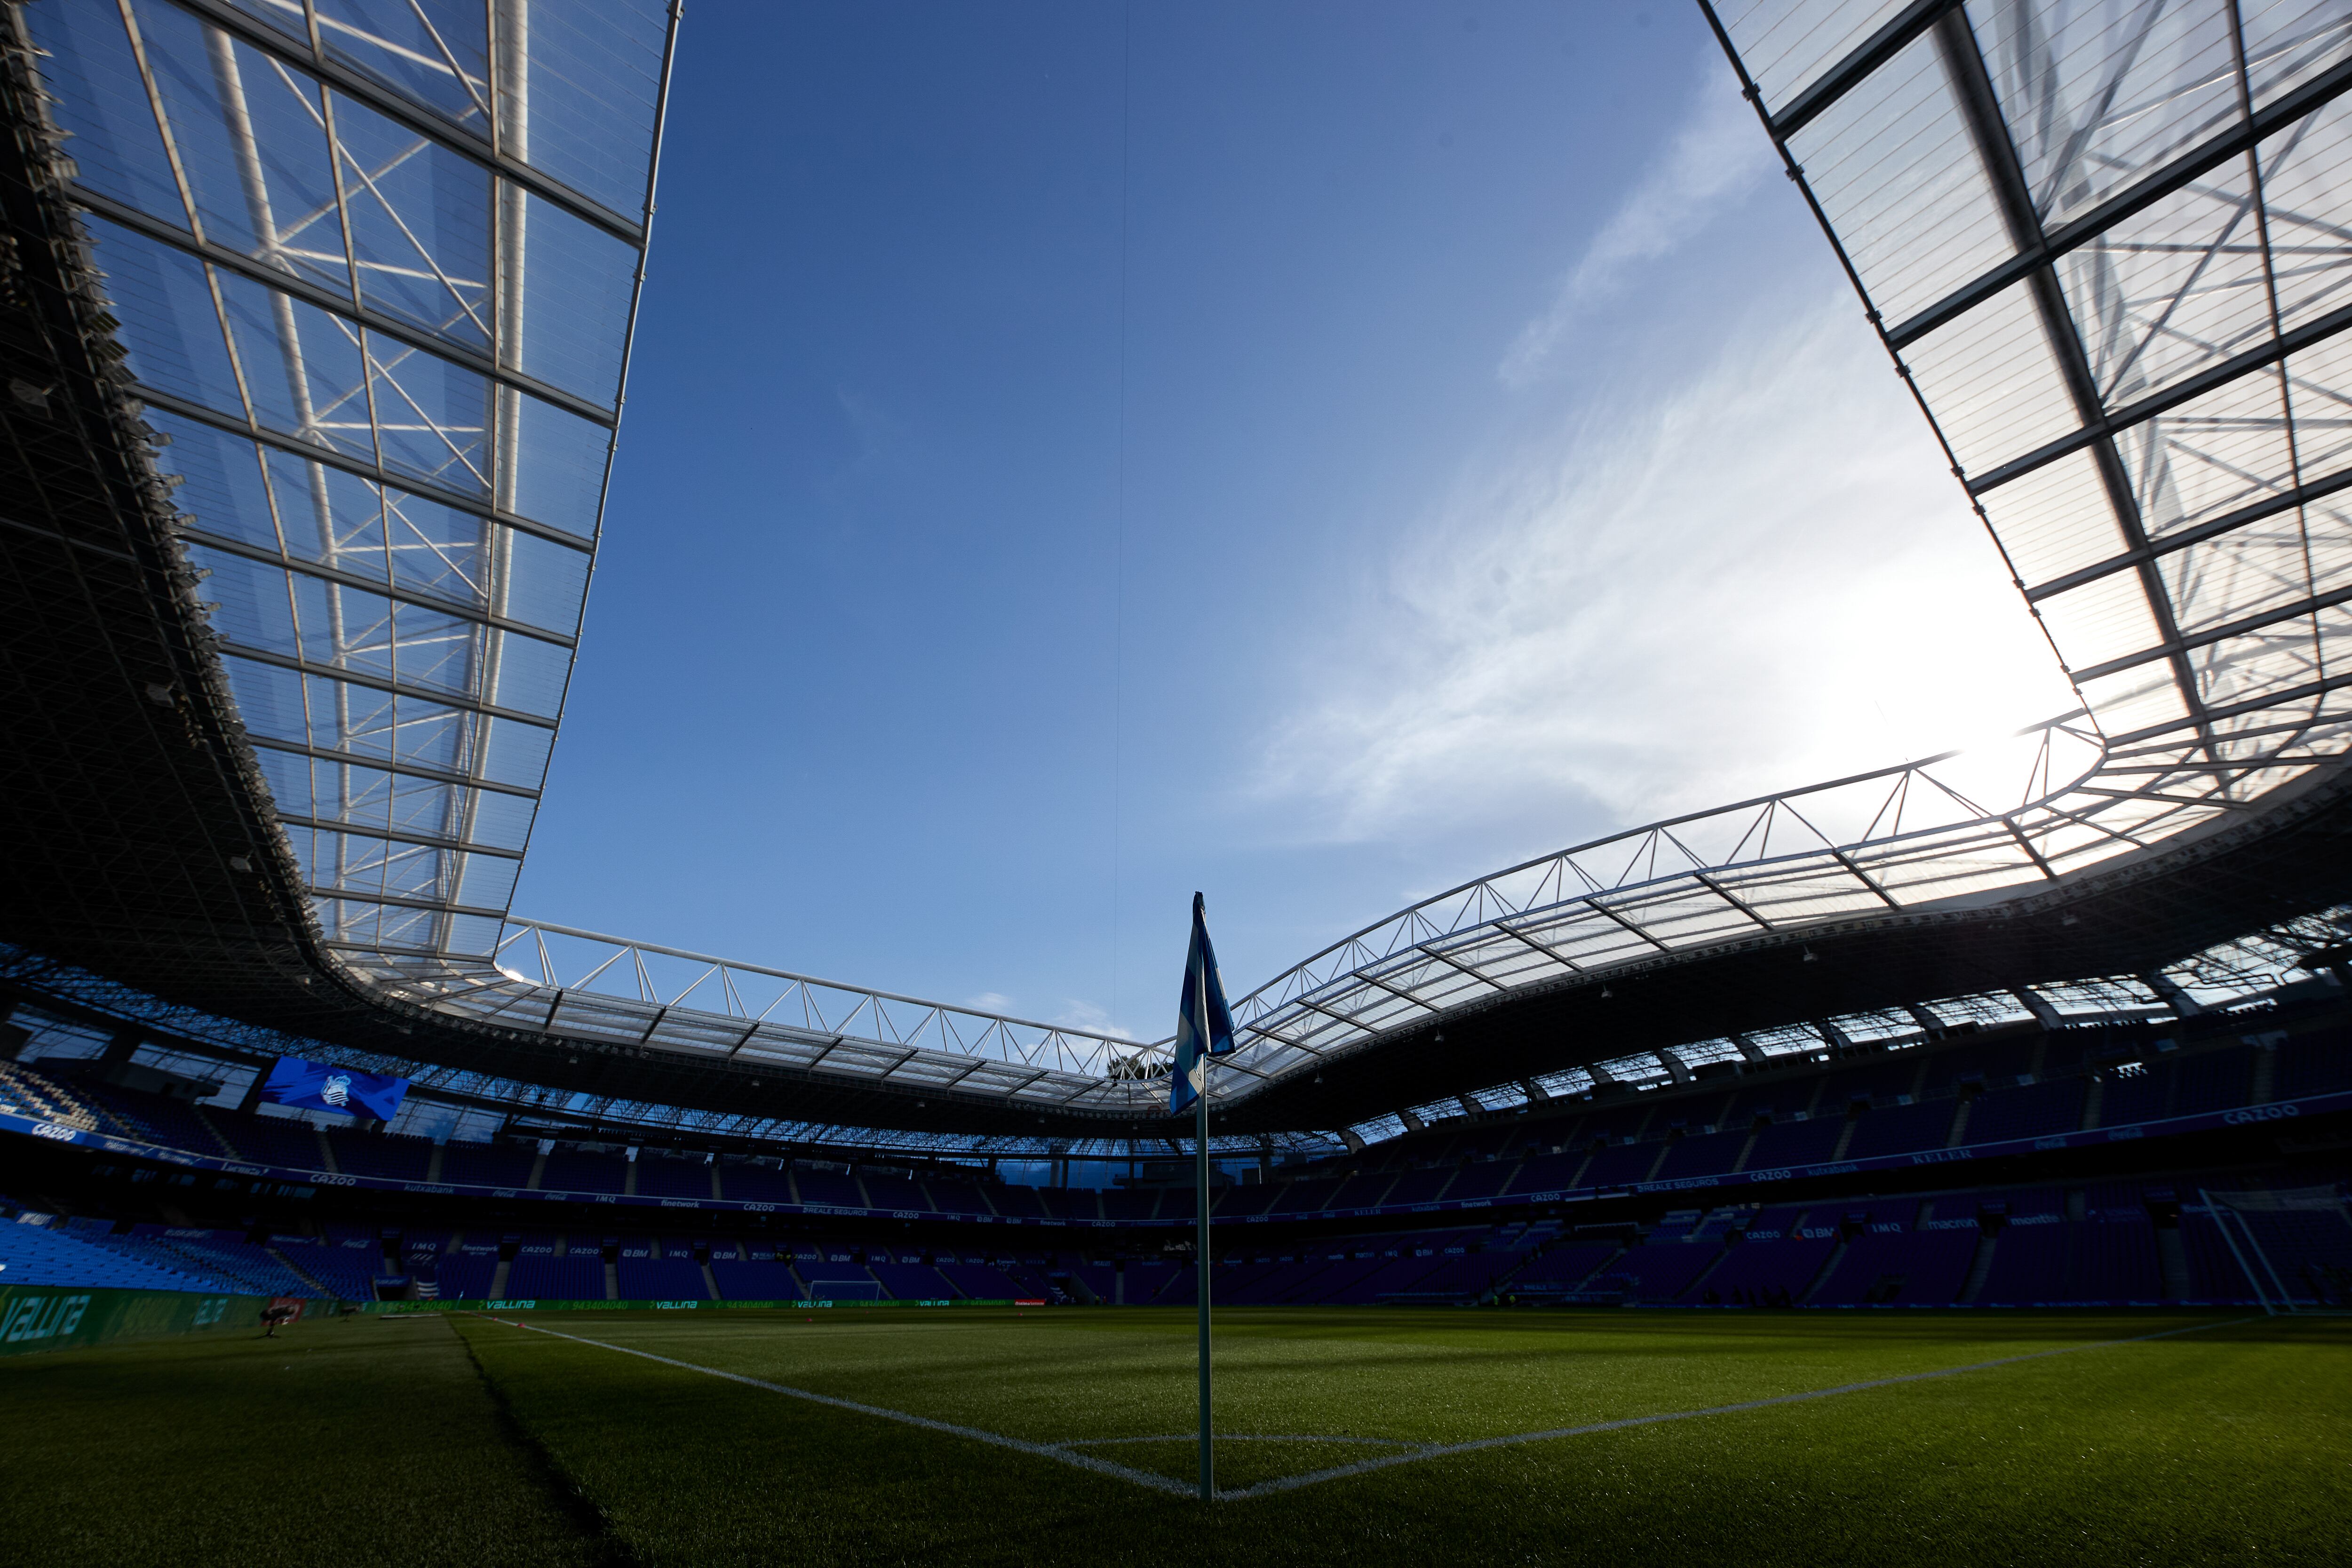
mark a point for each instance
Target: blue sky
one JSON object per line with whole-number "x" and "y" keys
{"x": 1310, "y": 452}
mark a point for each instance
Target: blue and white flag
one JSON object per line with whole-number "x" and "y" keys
{"x": 324, "y": 1085}
{"x": 1201, "y": 1015}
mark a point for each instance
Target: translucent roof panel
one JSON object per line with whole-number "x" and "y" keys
{"x": 2108, "y": 246}
{"x": 375, "y": 264}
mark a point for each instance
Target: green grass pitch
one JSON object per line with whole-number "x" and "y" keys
{"x": 469, "y": 1439}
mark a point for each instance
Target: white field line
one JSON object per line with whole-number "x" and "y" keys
{"x": 1439, "y": 1451}
{"x": 1414, "y": 1453}
{"x": 995, "y": 1439}
{"x": 1245, "y": 1438}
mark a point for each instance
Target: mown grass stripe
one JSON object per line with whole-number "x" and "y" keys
{"x": 904, "y": 1418}
{"x": 1383, "y": 1461}
{"x": 1063, "y": 1454}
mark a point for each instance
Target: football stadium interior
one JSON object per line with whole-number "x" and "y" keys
{"x": 1961, "y": 1147}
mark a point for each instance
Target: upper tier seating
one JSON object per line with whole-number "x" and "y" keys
{"x": 2217, "y": 1080}
{"x": 1013, "y": 1200}
{"x": 282, "y": 1141}
{"x": 2036, "y": 1111}
{"x": 1786, "y": 1143}
{"x": 152, "y": 1118}
{"x": 834, "y": 1188}
{"x": 487, "y": 1164}
{"x": 1619, "y": 1165}
{"x": 392, "y": 1156}
{"x": 1901, "y": 1128}
{"x": 1702, "y": 1154}
{"x": 1126, "y": 1203}
{"x": 570, "y": 1171}
{"x": 2320, "y": 1064}
{"x": 896, "y": 1192}
{"x": 742, "y": 1182}
{"x": 665, "y": 1178}
{"x": 1420, "y": 1186}
{"x": 1483, "y": 1180}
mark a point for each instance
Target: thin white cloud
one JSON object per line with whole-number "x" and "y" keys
{"x": 1077, "y": 1013}
{"x": 1758, "y": 579}
{"x": 1718, "y": 154}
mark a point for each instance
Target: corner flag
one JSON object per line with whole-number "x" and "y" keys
{"x": 1201, "y": 1016}
{"x": 1204, "y": 1028}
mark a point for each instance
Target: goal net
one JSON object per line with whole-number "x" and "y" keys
{"x": 2294, "y": 1246}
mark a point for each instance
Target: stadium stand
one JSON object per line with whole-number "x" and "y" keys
{"x": 2034, "y": 1110}
{"x": 660, "y": 1279}
{"x": 41, "y": 1254}
{"x": 487, "y": 1164}
{"x": 835, "y": 1188}
{"x": 914, "y": 1282}
{"x": 283, "y": 1141}
{"x": 223, "y": 1256}
{"x": 1784, "y": 1144}
{"x": 1899, "y": 1129}
{"x": 1562, "y": 1269}
{"x": 1483, "y": 1180}
{"x": 1021, "y": 1202}
{"x": 391, "y": 1156}
{"x": 2105, "y": 1242}
{"x": 743, "y": 1182}
{"x": 987, "y": 1283}
{"x": 948, "y": 1195}
{"x": 1776, "y": 1271}
{"x": 1702, "y": 1154}
{"x": 567, "y": 1172}
{"x": 557, "y": 1279}
{"x": 762, "y": 1279}
{"x": 896, "y": 1192}
{"x": 346, "y": 1273}
{"x": 665, "y": 1178}
{"x": 168, "y": 1122}
{"x": 467, "y": 1275}
{"x": 1654, "y": 1271}
{"x": 1898, "y": 1266}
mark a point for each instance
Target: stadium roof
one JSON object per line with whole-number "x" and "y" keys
{"x": 373, "y": 272}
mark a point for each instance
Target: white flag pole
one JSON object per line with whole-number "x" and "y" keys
{"x": 1201, "y": 1252}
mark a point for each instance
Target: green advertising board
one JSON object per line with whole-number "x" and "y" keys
{"x": 53, "y": 1317}
{"x": 555, "y": 1306}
